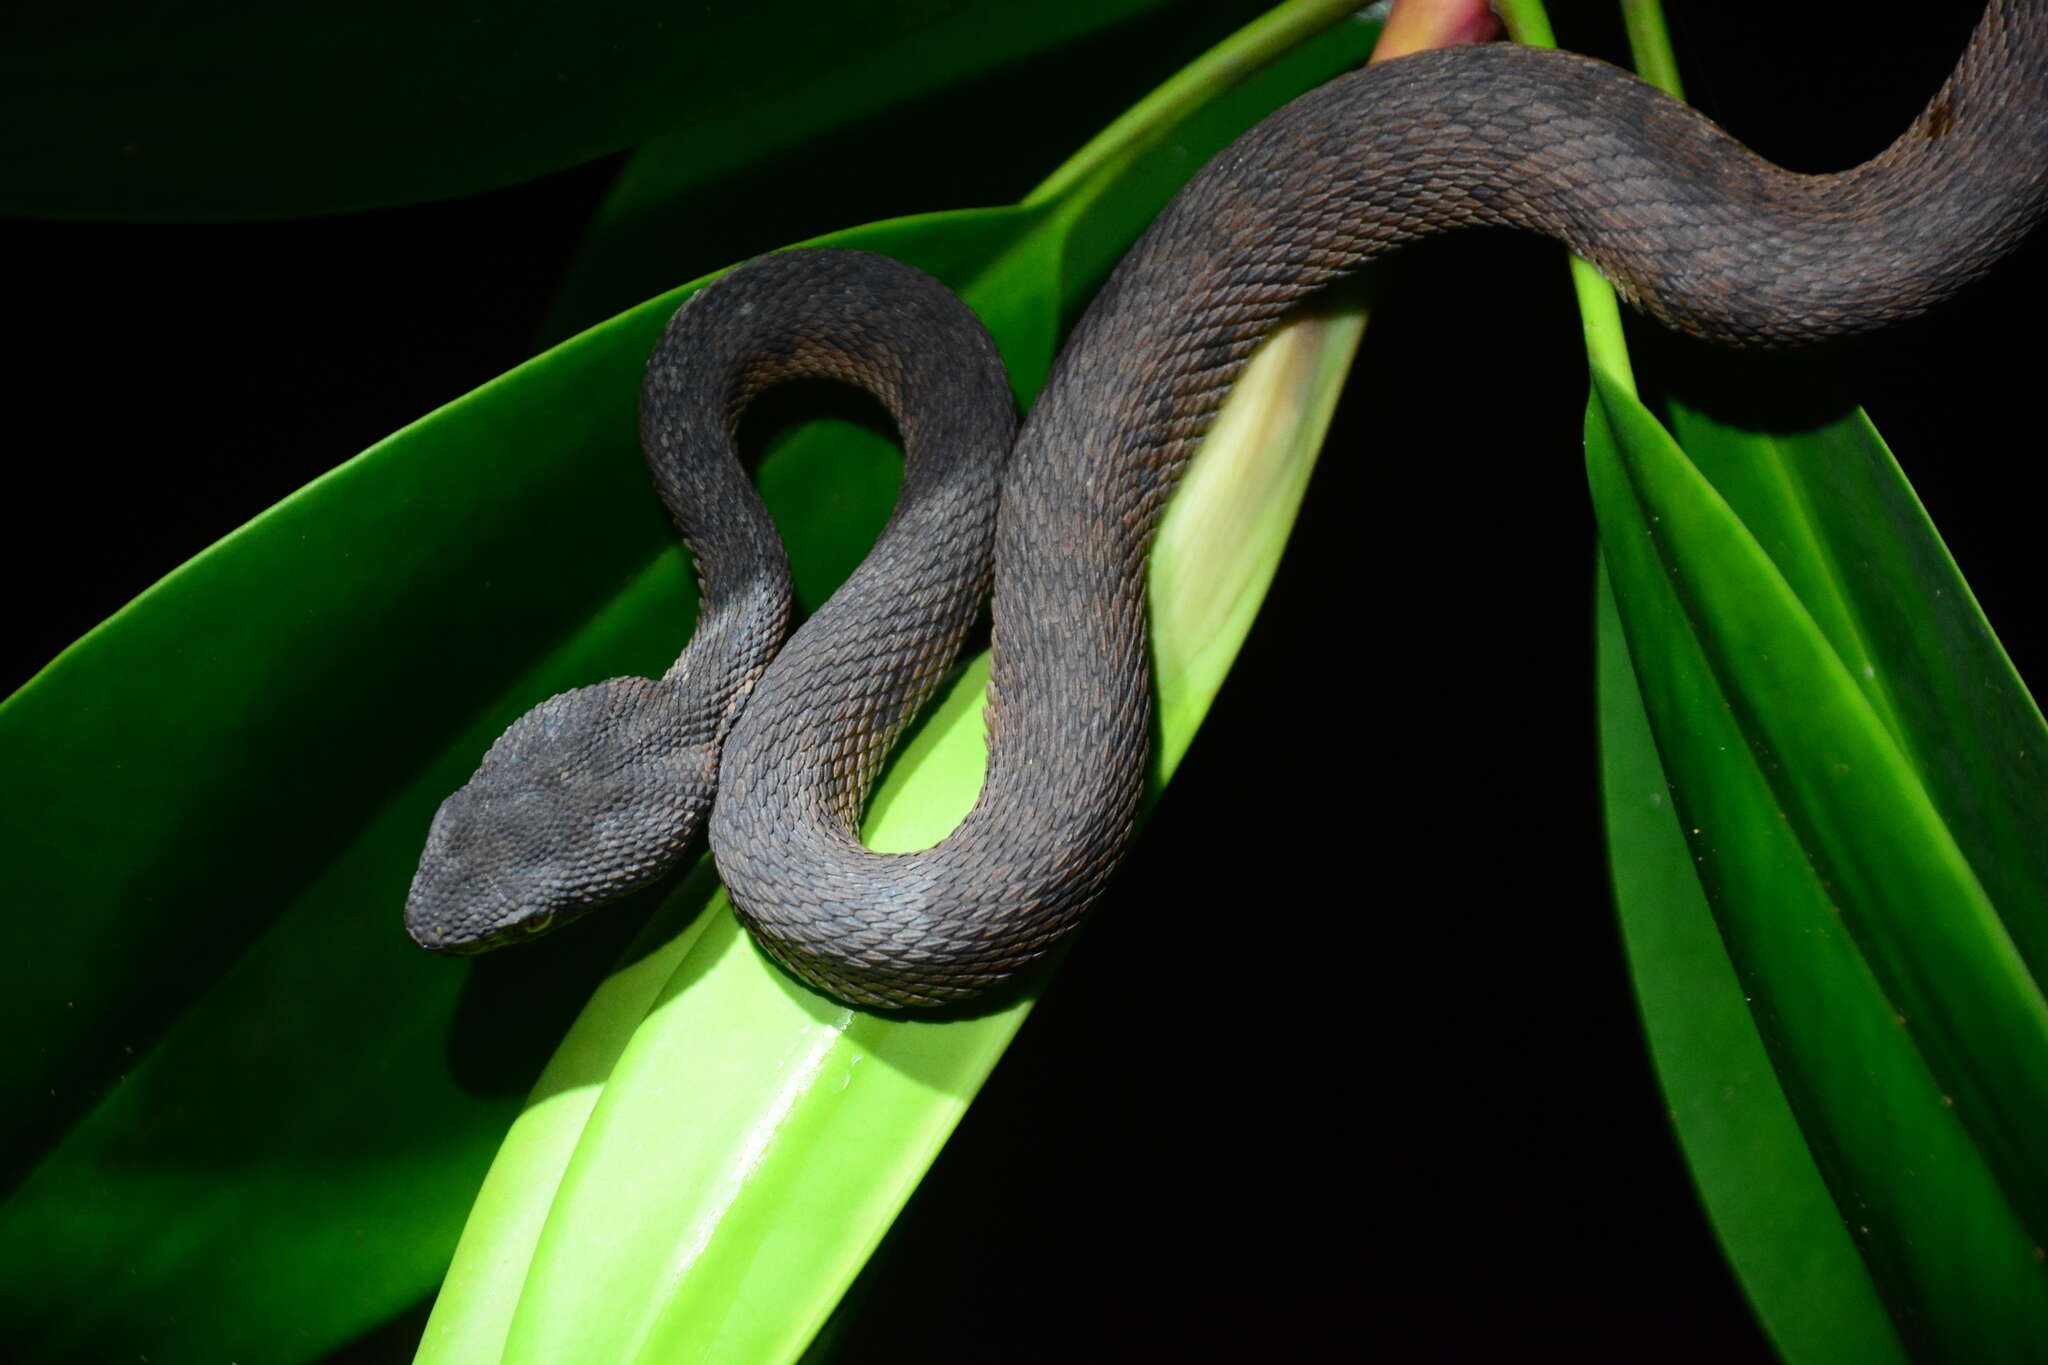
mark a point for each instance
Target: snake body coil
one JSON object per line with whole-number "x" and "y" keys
{"x": 1691, "y": 227}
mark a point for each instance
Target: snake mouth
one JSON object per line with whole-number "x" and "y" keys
{"x": 490, "y": 922}
{"x": 435, "y": 940}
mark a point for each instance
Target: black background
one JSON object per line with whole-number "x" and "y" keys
{"x": 1428, "y": 1127}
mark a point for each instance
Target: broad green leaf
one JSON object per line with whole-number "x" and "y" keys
{"x": 233, "y": 111}
{"x": 1902, "y": 1023}
{"x": 241, "y": 763}
{"x": 1767, "y": 1201}
{"x": 754, "y": 1140}
{"x": 1843, "y": 838}
{"x": 234, "y": 773}
{"x": 1835, "y": 514}
{"x": 1839, "y": 520}
{"x": 784, "y": 1184}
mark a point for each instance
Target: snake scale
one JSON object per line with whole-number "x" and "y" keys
{"x": 600, "y": 790}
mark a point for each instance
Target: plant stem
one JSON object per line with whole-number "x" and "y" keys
{"x": 1649, "y": 45}
{"x": 1216, "y": 70}
{"x": 1599, "y": 311}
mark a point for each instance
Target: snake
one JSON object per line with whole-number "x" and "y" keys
{"x": 769, "y": 741}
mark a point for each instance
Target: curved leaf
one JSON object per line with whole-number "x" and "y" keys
{"x": 233, "y": 111}
{"x": 1766, "y": 1198}
{"x": 1904, "y": 1025}
{"x": 267, "y": 811}
{"x": 239, "y": 765}
{"x": 630, "y": 250}
{"x": 1849, "y": 751}
{"x": 754, "y": 1140}
{"x": 663, "y": 1223}
{"x": 1835, "y": 514}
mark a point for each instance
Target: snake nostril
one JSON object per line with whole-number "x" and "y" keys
{"x": 538, "y": 924}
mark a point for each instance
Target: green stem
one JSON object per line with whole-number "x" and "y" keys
{"x": 1526, "y": 21}
{"x": 1215, "y": 71}
{"x": 1649, "y": 45}
{"x": 1599, "y": 311}
{"x": 1600, "y": 320}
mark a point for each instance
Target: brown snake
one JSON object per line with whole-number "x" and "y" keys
{"x": 600, "y": 790}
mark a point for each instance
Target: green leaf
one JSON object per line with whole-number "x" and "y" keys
{"x": 1767, "y": 1201}
{"x": 658, "y": 204}
{"x": 1847, "y": 849}
{"x": 239, "y": 766}
{"x": 754, "y": 1140}
{"x": 1904, "y": 1026}
{"x": 234, "y": 773}
{"x": 1835, "y": 514}
{"x": 234, "y": 111}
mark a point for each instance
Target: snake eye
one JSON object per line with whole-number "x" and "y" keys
{"x": 538, "y": 924}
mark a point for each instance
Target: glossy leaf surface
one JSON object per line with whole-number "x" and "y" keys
{"x": 1899, "y": 1014}
{"x": 234, "y": 773}
{"x": 1755, "y": 1173}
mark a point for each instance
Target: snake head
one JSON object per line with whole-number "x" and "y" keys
{"x": 588, "y": 796}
